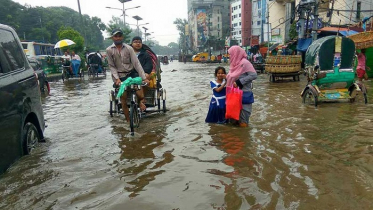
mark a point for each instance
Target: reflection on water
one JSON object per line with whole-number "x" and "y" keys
{"x": 291, "y": 157}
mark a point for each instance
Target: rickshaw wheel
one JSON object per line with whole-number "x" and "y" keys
{"x": 111, "y": 108}
{"x": 159, "y": 104}
{"x": 134, "y": 118}
{"x": 164, "y": 106}
{"x": 309, "y": 98}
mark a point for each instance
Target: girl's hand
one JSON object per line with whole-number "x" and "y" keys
{"x": 235, "y": 85}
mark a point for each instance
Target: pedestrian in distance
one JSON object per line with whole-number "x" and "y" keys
{"x": 123, "y": 63}
{"x": 242, "y": 74}
{"x": 361, "y": 65}
{"x": 216, "y": 113}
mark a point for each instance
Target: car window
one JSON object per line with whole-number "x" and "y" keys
{"x": 10, "y": 53}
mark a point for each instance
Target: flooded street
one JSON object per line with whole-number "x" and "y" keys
{"x": 291, "y": 157}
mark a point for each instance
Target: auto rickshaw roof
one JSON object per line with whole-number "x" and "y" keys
{"x": 324, "y": 50}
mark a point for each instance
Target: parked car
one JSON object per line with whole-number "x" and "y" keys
{"x": 21, "y": 115}
{"x": 43, "y": 82}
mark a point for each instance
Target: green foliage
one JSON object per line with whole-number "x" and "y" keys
{"x": 293, "y": 31}
{"x": 171, "y": 49}
{"x": 70, "y": 33}
{"x": 180, "y": 26}
{"x": 36, "y": 23}
{"x": 117, "y": 22}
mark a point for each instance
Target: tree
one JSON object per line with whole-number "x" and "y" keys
{"x": 69, "y": 33}
{"x": 293, "y": 31}
{"x": 34, "y": 23}
{"x": 180, "y": 26}
{"x": 117, "y": 22}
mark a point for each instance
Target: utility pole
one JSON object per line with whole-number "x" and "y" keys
{"x": 331, "y": 13}
{"x": 301, "y": 23}
{"x": 268, "y": 28}
{"x": 315, "y": 21}
{"x": 82, "y": 24}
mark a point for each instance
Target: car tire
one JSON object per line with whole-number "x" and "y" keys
{"x": 30, "y": 138}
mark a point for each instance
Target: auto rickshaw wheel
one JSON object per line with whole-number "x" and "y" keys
{"x": 309, "y": 97}
{"x": 358, "y": 96}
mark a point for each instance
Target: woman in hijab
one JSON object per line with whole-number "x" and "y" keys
{"x": 241, "y": 74}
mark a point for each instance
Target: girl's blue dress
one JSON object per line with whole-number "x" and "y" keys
{"x": 216, "y": 112}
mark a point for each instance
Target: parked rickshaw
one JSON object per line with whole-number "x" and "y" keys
{"x": 331, "y": 71}
{"x": 155, "y": 96}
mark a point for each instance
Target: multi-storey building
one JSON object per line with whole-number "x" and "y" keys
{"x": 209, "y": 21}
{"x": 259, "y": 13}
{"x": 241, "y": 19}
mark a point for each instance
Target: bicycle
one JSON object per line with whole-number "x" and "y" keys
{"x": 135, "y": 114}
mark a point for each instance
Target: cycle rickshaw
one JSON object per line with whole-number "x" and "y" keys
{"x": 95, "y": 65}
{"x": 331, "y": 72}
{"x": 155, "y": 96}
{"x": 71, "y": 69}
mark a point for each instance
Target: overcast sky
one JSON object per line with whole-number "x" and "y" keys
{"x": 160, "y": 14}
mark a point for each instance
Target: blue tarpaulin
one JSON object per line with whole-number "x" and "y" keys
{"x": 348, "y": 33}
{"x": 303, "y": 44}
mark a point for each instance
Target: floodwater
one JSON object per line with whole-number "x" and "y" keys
{"x": 291, "y": 157}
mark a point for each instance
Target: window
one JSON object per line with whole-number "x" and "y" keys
{"x": 259, "y": 4}
{"x": 239, "y": 6}
{"x": 218, "y": 25}
{"x": 260, "y": 14}
{"x": 240, "y": 23}
{"x": 218, "y": 18}
{"x": 240, "y": 32}
{"x": 218, "y": 34}
{"x": 239, "y": 15}
{"x": 11, "y": 56}
{"x": 358, "y": 10}
{"x": 258, "y": 23}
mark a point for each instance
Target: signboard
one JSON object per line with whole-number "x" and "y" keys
{"x": 254, "y": 40}
{"x": 201, "y": 25}
{"x": 186, "y": 30}
{"x": 276, "y": 32}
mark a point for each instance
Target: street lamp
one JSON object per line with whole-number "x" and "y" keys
{"x": 123, "y": 10}
{"x": 137, "y": 18}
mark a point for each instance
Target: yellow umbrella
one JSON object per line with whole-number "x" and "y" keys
{"x": 64, "y": 43}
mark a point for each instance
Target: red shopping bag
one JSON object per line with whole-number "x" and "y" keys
{"x": 233, "y": 103}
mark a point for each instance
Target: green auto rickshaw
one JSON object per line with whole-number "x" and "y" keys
{"x": 330, "y": 69}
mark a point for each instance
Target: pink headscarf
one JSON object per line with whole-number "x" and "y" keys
{"x": 238, "y": 64}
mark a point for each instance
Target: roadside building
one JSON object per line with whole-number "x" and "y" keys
{"x": 208, "y": 22}
{"x": 241, "y": 19}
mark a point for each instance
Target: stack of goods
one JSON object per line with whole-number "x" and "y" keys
{"x": 283, "y": 63}
{"x": 363, "y": 40}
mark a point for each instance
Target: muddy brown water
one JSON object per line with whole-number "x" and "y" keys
{"x": 292, "y": 156}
